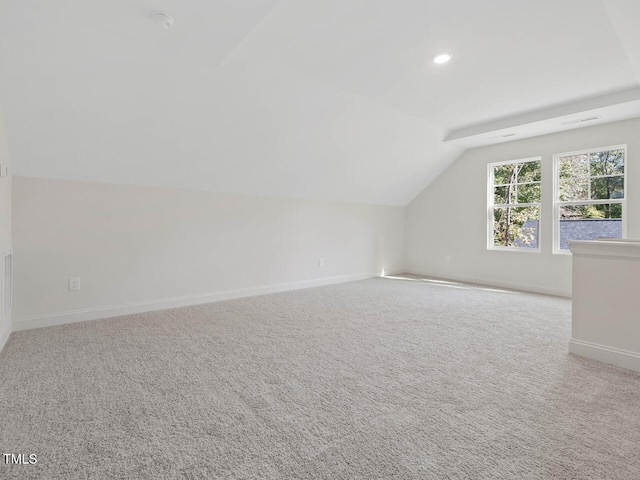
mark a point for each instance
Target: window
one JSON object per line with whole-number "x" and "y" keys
{"x": 589, "y": 200}
{"x": 514, "y": 205}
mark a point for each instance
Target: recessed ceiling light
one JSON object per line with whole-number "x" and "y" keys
{"x": 442, "y": 58}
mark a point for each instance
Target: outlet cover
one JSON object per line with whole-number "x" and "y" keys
{"x": 74, "y": 284}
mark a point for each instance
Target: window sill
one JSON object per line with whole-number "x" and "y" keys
{"x": 514, "y": 249}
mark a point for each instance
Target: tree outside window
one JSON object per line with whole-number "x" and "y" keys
{"x": 589, "y": 195}
{"x": 514, "y": 205}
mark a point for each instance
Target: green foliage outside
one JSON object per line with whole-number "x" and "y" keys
{"x": 517, "y": 183}
{"x": 595, "y": 176}
{"x": 584, "y": 177}
{"x": 509, "y": 229}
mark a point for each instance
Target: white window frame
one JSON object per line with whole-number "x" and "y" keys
{"x": 556, "y": 194}
{"x": 491, "y": 205}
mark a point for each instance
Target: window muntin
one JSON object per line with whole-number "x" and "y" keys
{"x": 514, "y": 205}
{"x": 589, "y": 195}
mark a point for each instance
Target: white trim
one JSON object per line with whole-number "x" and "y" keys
{"x": 627, "y": 250}
{"x": 616, "y": 240}
{"x": 50, "y": 319}
{"x": 7, "y": 284}
{"x": 4, "y": 335}
{"x": 515, "y": 249}
{"x": 525, "y": 287}
{"x": 602, "y": 353}
{"x": 622, "y": 146}
{"x": 602, "y": 201}
{"x": 490, "y": 199}
{"x": 5, "y": 295}
{"x": 519, "y": 160}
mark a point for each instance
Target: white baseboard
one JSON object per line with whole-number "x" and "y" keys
{"x": 602, "y": 353}
{"x": 483, "y": 281}
{"x": 48, "y": 320}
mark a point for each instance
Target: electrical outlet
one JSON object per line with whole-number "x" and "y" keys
{"x": 74, "y": 284}
{"x": 447, "y": 258}
{"x": 321, "y": 262}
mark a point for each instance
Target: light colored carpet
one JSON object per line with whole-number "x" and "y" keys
{"x": 380, "y": 378}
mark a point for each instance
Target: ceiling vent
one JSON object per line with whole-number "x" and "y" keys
{"x": 581, "y": 120}
{"x": 506, "y": 135}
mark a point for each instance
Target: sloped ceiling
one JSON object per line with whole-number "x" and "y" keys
{"x": 320, "y": 99}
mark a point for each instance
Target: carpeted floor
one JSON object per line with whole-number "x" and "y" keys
{"x": 380, "y": 378}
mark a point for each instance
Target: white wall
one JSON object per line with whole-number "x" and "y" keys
{"x": 5, "y": 225}
{"x": 449, "y": 218}
{"x": 141, "y": 248}
{"x": 605, "y": 309}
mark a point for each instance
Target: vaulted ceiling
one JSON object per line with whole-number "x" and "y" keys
{"x": 320, "y": 99}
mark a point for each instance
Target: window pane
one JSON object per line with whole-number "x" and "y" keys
{"x": 516, "y": 227}
{"x": 503, "y": 195}
{"x": 607, "y": 187}
{"x": 529, "y": 193}
{"x": 607, "y": 163}
{"x": 587, "y": 222}
{"x": 574, "y": 166}
{"x": 529, "y": 172}
{"x": 572, "y": 189}
{"x": 503, "y": 174}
